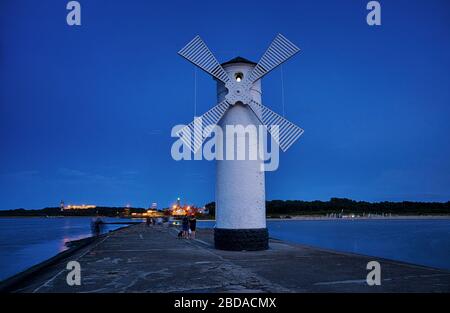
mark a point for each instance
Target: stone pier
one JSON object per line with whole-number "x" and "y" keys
{"x": 153, "y": 259}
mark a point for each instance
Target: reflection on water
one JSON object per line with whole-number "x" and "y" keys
{"x": 27, "y": 241}
{"x": 65, "y": 240}
{"x": 419, "y": 241}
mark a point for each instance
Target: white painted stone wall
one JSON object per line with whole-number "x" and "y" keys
{"x": 240, "y": 185}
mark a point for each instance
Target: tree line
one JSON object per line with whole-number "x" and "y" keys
{"x": 274, "y": 208}
{"x": 346, "y": 206}
{"x": 56, "y": 211}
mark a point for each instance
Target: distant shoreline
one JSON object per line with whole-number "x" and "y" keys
{"x": 393, "y": 217}
{"x": 293, "y": 217}
{"x": 69, "y": 216}
{"x": 326, "y": 218}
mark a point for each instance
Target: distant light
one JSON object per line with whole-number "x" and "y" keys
{"x": 239, "y": 76}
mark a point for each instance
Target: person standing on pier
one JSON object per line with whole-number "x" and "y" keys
{"x": 185, "y": 226}
{"x": 96, "y": 226}
{"x": 192, "y": 226}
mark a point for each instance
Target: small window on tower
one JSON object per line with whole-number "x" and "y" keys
{"x": 239, "y": 76}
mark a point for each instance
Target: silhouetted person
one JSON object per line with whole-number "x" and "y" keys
{"x": 96, "y": 226}
{"x": 185, "y": 226}
{"x": 193, "y": 225}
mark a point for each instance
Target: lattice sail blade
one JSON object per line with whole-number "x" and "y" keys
{"x": 279, "y": 51}
{"x": 195, "y": 133}
{"x": 197, "y": 52}
{"x": 283, "y": 132}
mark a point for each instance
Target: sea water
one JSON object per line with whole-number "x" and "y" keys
{"x": 419, "y": 241}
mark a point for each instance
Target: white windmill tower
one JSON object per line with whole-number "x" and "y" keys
{"x": 240, "y": 186}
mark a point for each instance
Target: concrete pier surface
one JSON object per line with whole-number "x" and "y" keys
{"x": 152, "y": 259}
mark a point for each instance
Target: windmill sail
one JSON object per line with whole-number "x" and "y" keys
{"x": 279, "y": 51}
{"x": 194, "y": 134}
{"x": 283, "y": 132}
{"x": 197, "y": 52}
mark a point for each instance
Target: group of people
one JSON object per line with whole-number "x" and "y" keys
{"x": 150, "y": 221}
{"x": 188, "y": 227}
{"x": 153, "y": 221}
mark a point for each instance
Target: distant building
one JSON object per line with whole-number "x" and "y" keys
{"x": 153, "y": 213}
{"x": 148, "y": 213}
{"x": 79, "y": 207}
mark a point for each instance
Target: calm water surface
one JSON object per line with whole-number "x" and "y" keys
{"x": 418, "y": 241}
{"x": 27, "y": 241}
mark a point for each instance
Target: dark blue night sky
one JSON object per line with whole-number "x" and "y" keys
{"x": 86, "y": 112}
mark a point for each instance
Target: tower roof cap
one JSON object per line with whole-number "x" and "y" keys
{"x": 239, "y": 60}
